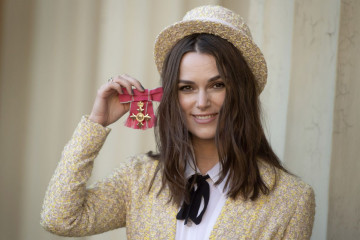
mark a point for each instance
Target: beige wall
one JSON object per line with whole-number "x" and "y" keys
{"x": 344, "y": 190}
{"x": 55, "y": 54}
{"x": 14, "y": 70}
{"x": 311, "y": 97}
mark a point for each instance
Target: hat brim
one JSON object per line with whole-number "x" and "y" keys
{"x": 252, "y": 54}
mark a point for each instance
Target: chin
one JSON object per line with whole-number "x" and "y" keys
{"x": 203, "y": 136}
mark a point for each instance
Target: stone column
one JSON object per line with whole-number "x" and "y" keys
{"x": 15, "y": 40}
{"x": 277, "y": 48}
{"x": 344, "y": 191}
{"x": 61, "y": 89}
{"x": 311, "y": 99}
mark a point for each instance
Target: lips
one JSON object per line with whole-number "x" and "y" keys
{"x": 204, "y": 118}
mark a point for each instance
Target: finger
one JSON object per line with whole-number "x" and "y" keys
{"x": 125, "y": 83}
{"x": 116, "y": 86}
{"x": 109, "y": 89}
{"x": 133, "y": 81}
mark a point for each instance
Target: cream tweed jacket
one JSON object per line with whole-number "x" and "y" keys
{"x": 123, "y": 200}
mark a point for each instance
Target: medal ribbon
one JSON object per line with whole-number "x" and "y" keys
{"x": 141, "y": 108}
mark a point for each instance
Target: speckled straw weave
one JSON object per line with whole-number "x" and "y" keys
{"x": 219, "y": 21}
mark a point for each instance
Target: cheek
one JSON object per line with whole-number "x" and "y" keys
{"x": 185, "y": 103}
{"x": 220, "y": 99}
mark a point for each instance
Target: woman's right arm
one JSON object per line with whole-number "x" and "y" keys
{"x": 71, "y": 209}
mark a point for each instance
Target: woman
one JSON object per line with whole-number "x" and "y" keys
{"x": 215, "y": 175}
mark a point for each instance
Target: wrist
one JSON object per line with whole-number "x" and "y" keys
{"x": 97, "y": 120}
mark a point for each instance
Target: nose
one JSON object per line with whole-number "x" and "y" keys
{"x": 203, "y": 100}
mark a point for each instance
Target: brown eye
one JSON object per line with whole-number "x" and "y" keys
{"x": 219, "y": 85}
{"x": 185, "y": 88}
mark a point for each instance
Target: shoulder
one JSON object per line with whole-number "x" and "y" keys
{"x": 295, "y": 199}
{"x": 286, "y": 185}
{"x": 289, "y": 195}
{"x": 294, "y": 188}
{"x": 290, "y": 203}
{"x": 138, "y": 168}
{"x": 288, "y": 181}
{"x": 138, "y": 164}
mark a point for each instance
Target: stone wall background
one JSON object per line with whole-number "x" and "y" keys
{"x": 55, "y": 54}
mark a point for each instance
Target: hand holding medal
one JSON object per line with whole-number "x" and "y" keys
{"x": 121, "y": 94}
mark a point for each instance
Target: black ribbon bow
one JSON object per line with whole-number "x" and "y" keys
{"x": 190, "y": 211}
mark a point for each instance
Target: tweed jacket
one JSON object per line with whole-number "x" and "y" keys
{"x": 123, "y": 200}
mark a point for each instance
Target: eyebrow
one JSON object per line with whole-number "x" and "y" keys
{"x": 191, "y": 82}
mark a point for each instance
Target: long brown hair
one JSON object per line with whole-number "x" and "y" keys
{"x": 239, "y": 138}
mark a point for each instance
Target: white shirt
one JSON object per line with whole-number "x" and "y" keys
{"x": 216, "y": 202}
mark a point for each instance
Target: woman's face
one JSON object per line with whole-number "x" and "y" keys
{"x": 201, "y": 94}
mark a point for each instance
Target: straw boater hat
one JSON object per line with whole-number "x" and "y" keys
{"x": 219, "y": 21}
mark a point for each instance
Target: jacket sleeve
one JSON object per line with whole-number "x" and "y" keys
{"x": 72, "y": 209}
{"x": 301, "y": 223}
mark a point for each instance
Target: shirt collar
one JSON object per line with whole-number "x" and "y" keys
{"x": 214, "y": 174}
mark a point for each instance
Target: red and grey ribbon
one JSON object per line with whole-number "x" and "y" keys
{"x": 141, "y": 108}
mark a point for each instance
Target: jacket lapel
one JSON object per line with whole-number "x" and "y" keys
{"x": 162, "y": 223}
